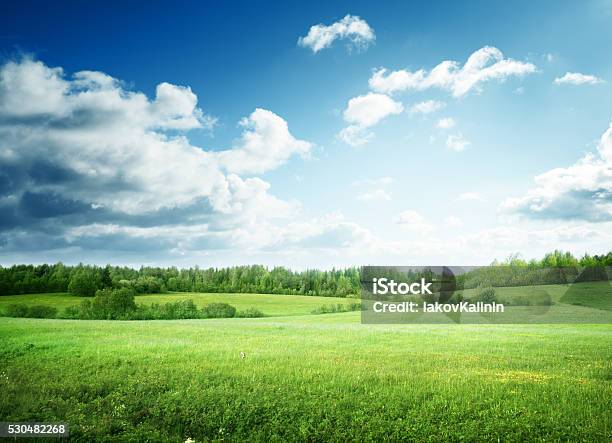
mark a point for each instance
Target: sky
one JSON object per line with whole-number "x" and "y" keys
{"x": 301, "y": 135}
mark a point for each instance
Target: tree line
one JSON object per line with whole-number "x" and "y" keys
{"x": 85, "y": 280}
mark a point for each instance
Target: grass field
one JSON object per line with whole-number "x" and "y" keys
{"x": 307, "y": 377}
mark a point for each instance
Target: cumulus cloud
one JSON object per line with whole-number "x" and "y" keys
{"x": 427, "y": 107}
{"x": 266, "y": 143}
{"x": 582, "y": 191}
{"x": 363, "y": 112}
{"x": 445, "y": 123}
{"x": 457, "y": 142}
{"x": 86, "y": 163}
{"x": 367, "y": 110}
{"x": 484, "y": 65}
{"x": 352, "y": 28}
{"x": 576, "y": 78}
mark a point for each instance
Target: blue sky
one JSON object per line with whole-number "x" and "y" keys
{"x": 439, "y": 170}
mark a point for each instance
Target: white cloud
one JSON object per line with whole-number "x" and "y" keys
{"x": 396, "y": 80}
{"x": 107, "y": 137}
{"x": 486, "y": 64}
{"x": 412, "y": 221}
{"x": 175, "y": 107}
{"x": 470, "y": 196}
{"x": 266, "y": 143}
{"x": 355, "y": 136}
{"x": 363, "y": 112}
{"x": 456, "y": 142}
{"x": 352, "y": 28}
{"x": 576, "y": 78}
{"x": 427, "y": 107}
{"x": 445, "y": 123}
{"x": 367, "y": 110}
{"x": 582, "y": 191}
{"x": 86, "y": 163}
{"x": 374, "y": 189}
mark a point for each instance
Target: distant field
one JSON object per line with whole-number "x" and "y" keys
{"x": 269, "y": 304}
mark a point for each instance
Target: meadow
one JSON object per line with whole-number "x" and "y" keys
{"x": 307, "y": 377}
{"x": 270, "y": 305}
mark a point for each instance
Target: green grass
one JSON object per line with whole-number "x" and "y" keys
{"x": 269, "y": 304}
{"x": 321, "y": 378}
{"x": 310, "y": 377}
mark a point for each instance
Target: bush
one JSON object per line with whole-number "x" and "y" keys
{"x": 250, "y": 313}
{"x": 36, "y": 311}
{"x": 42, "y": 311}
{"x": 183, "y": 309}
{"x": 354, "y": 307}
{"x": 485, "y": 294}
{"x": 218, "y": 310}
{"x": 108, "y": 304}
{"x": 118, "y": 304}
{"x": 456, "y": 298}
{"x": 536, "y": 299}
{"x": 16, "y": 310}
{"x": 340, "y": 307}
{"x": 72, "y": 312}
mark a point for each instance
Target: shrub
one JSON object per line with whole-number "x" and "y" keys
{"x": 456, "y": 298}
{"x": 354, "y": 307}
{"x": 36, "y": 311}
{"x": 485, "y": 294}
{"x": 218, "y": 310}
{"x": 72, "y": 312}
{"x": 536, "y": 299}
{"x": 250, "y": 313}
{"x": 118, "y": 304}
{"x": 182, "y": 309}
{"x": 16, "y": 310}
{"x": 340, "y": 307}
{"x": 108, "y": 304}
{"x": 42, "y": 311}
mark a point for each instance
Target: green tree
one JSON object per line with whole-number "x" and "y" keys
{"x": 84, "y": 283}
